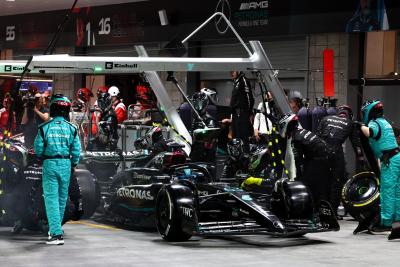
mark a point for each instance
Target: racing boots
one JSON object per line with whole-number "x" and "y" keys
{"x": 56, "y": 240}
{"x": 395, "y": 233}
{"x": 18, "y": 227}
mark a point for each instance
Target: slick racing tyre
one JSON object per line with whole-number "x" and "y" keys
{"x": 292, "y": 200}
{"x": 168, "y": 221}
{"x": 89, "y": 191}
{"x": 360, "y": 195}
{"x": 299, "y": 204}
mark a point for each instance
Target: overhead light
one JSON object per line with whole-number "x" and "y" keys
{"x": 10, "y": 0}
{"x": 163, "y": 17}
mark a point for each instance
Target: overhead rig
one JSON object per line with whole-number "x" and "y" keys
{"x": 257, "y": 61}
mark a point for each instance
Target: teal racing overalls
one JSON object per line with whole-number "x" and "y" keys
{"x": 384, "y": 145}
{"x": 57, "y": 144}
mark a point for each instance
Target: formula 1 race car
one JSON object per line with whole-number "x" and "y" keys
{"x": 186, "y": 200}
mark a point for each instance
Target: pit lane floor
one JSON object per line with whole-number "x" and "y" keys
{"x": 90, "y": 243}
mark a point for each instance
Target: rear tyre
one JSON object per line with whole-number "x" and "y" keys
{"x": 167, "y": 218}
{"x": 89, "y": 190}
{"x": 360, "y": 196}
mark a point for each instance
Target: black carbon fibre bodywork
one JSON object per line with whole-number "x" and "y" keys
{"x": 202, "y": 206}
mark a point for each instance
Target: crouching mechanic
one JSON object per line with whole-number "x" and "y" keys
{"x": 312, "y": 155}
{"x": 384, "y": 145}
{"x": 57, "y": 144}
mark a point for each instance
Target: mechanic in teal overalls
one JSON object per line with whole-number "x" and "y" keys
{"x": 57, "y": 144}
{"x": 384, "y": 145}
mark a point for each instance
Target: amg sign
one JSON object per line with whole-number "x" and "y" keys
{"x": 253, "y": 5}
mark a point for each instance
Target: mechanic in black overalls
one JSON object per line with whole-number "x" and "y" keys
{"x": 242, "y": 102}
{"x": 203, "y": 151}
{"x": 312, "y": 157}
{"x": 335, "y": 129}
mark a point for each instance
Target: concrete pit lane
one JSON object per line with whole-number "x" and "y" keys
{"x": 93, "y": 243}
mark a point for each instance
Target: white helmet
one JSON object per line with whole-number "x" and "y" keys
{"x": 211, "y": 94}
{"x": 113, "y": 91}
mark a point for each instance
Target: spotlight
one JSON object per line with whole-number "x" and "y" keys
{"x": 163, "y": 17}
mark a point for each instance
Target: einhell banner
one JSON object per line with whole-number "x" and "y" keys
{"x": 139, "y": 22}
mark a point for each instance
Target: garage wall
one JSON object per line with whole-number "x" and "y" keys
{"x": 339, "y": 42}
{"x": 283, "y": 52}
{"x": 398, "y": 51}
{"x": 390, "y": 96}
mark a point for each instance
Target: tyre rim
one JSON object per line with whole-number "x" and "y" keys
{"x": 362, "y": 189}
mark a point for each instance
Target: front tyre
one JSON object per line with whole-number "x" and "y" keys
{"x": 168, "y": 222}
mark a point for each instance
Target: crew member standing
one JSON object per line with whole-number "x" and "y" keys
{"x": 242, "y": 102}
{"x": 5, "y": 113}
{"x": 263, "y": 125}
{"x": 118, "y": 106}
{"x": 335, "y": 129}
{"x": 57, "y": 144}
{"x": 384, "y": 145}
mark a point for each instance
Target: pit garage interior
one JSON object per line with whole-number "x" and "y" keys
{"x": 305, "y": 49}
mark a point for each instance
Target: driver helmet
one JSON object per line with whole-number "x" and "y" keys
{"x": 200, "y": 102}
{"x": 346, "y": 111}
{"x": 60, "y": 105}
{"x": 371, "y": 109}
{"x": 84, "y": 95}
{"x": 287, "y": 124}
{"x": 235, "y": 148}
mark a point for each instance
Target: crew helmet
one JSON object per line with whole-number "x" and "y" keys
{"x": 235, "y": 148}
{"x": 60, "y": 105}
{"x": 211, "y": 94}
{"x": 113, "y": 91}
{"x": 345, "y": 110}
{"x": 84, "y": 94}
{"x": 200, "y": 102}
{"x": 371, "y": 109}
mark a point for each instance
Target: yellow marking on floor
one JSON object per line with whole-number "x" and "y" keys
{"x": 95, "y": 225}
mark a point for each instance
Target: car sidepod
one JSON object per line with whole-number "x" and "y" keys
{"x": 133, "y": 195}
